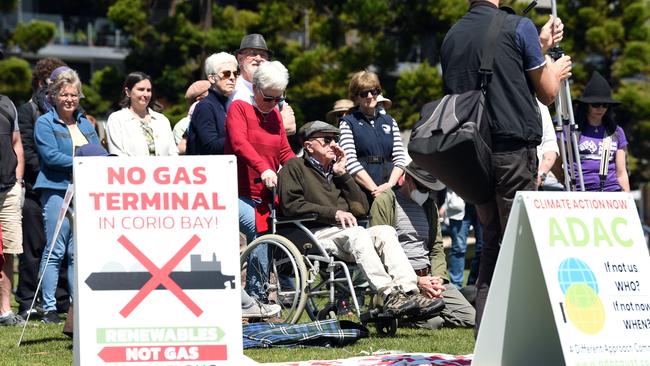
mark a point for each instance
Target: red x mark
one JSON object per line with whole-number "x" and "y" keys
{"x": 160, "y": 276}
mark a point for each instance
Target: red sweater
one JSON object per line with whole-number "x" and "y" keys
{"x": 259, "y": 145}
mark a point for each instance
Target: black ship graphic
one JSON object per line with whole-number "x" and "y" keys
{"x": 202, "y": 275}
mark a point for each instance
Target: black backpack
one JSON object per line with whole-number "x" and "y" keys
{"x": 452, "y": 138}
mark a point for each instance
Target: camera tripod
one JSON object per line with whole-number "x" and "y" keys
{"x": 565, "y": 126}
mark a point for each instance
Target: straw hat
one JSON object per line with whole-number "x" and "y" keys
{"x": 341, "y": 105}
{"x": 387, "y": 102}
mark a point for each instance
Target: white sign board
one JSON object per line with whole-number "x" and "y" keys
{"x": 157, "y": 261}
{"x": 571, "y": 285}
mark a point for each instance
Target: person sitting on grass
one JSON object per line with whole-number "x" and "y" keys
{"x": 319, "y": 183}
{"x": 414, "y": 215}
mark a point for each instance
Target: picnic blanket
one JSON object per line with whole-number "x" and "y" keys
{"x": 398, "y": 359}
{"x": 323, "y": 333}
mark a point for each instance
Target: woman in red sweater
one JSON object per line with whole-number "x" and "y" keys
{"x": 255, "y": 134}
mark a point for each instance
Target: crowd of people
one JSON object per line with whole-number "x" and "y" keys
{"x": 353, "y": 165}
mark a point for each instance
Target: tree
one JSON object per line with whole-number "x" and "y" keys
{"x": 15, "y": 78}
{"x": 33, "y": 35}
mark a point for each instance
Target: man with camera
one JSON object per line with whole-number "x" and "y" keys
{"x": 520, "y": 72}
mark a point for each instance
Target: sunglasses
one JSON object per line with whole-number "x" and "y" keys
{"x": 271, "y": 99}
{"x": 327, "y": 139}
{"x": 599, "y": 105}
{"x": 373, "y": 92}
{"x": 225, "y": 74}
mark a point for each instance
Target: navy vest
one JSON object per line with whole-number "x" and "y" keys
{"x": 374, "y": 144}
{"x": 516, "y": 120}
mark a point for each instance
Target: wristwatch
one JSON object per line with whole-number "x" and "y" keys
{"x": 542, "y": 176}
{"x": 21, "y": 181}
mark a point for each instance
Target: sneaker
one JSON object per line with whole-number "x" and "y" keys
{"x": 32, "y": 315}
{"x": 11, "y": 319}
{"x": 50, "y": 317}
{"x": 426, "y": 305}
{"x": 396, "y": 304}
{"x": 260, "y": 310}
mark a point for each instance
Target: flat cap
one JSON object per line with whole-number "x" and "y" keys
{"x": 310, "y": 128}
{"x": 196, "y": 89}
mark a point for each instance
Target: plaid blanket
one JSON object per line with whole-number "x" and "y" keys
{"x": 324, "y": 333}
{"x": 400, "y": 359}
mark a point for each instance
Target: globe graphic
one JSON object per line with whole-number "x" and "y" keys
{"x": 584, "y": 308}
{"x": 572, "y": 271}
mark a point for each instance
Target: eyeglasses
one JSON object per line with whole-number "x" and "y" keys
{"x": 225, "y": 74}
{"x": 364, "y": 93}
{"x": 271, "y": 99}
{"x": 69, "y": 96}
{"x": 599, "y": 105}
{"x": 327, "y": 139}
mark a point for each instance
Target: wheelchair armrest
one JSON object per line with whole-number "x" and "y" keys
{"x": 307, "y": 217}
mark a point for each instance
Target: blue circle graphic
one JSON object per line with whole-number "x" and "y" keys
{"x": 574, "y": 271}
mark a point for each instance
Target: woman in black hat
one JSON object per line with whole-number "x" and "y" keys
{"x": 602, "y": 143}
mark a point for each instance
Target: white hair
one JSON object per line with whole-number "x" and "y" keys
{"x": 271, "y": 75}
{"x": 216, "y": 62}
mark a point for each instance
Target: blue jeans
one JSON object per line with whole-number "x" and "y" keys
{"x": 258, "y": 261}
{"x": 458, "y": 230}
{"x": 62, "y": 245}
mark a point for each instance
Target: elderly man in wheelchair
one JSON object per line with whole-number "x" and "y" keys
{"x": 318, "y": 183}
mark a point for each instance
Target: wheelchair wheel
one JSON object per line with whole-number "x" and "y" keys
{"x": 287, "y": 280}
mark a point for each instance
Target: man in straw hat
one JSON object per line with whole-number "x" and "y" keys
{"x": 340, "y": 109}
{"x": 414, "y": 215}
{"x": 319, "y": 183}
{"x": 251, "y": 54}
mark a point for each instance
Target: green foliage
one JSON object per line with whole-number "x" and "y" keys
{"x": 15, "y": 79}
{"x": 129, "y": 15}
{"x": 414, "y": 89}
{"x": 103, "y": 93}
{"x": 34, "y": 35}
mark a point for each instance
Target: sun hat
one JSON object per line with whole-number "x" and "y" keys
{"x": 341, "y": 105}
{"x": 597, "y": 90}
{"x": 387, "y": 102}
{"x": 310, "y": 128}
{"x": 253, "y": 41}
{"x": 196, "y": 89}
{"x": 423, "y": 177}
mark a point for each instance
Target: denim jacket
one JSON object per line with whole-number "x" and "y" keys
{"x": 55, "y": 151}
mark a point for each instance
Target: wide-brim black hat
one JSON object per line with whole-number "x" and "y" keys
{"x": 423, "y": 177}
{"x": 597, "y": 90}
{"x": 253, "y": 41}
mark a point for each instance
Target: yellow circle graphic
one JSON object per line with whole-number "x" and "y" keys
{"x": 584, "y": 308}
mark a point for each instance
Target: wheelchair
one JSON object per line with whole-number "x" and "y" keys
{"x": 304, "y": 277}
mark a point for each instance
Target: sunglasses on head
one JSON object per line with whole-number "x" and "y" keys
{"x": 225, "y": 74}
{"x": 599, "y": 105}
{"x": 271, "y": 99}
{"x": 328, "y": 139}
{"x": 373, "y": 92}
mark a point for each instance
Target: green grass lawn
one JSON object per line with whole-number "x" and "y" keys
{"x": 45, "y": 345}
